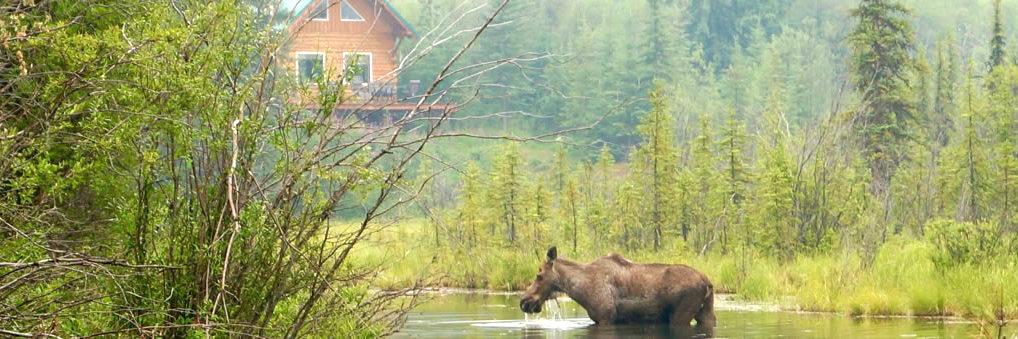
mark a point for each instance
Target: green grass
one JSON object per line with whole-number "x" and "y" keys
{"x": 902, "y": 280}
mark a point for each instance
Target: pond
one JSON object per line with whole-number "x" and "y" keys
{"x": 485, "y": 315}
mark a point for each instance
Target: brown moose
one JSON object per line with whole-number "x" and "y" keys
{"x": 614, "y": 290}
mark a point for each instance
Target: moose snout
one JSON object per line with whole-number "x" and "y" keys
{"x": 530, "y": 305}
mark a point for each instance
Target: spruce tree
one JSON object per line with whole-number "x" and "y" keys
{"x": 629, "y": 213}
{"x": 538, "y": 202}
{"x": 998, "y": 47}
{"x": 944, "y": 94}
{"x": 964, "y": 162}
{"x": 656, "y": 162}
{"x": 667, "y": 51}
{"x": 599, "y": 194}
{"x": 508, "y": 190}
{"x": 570, "y": 208}
{"x": 774, "y": 206}
{"x": 561, "y": 167}
{"x": 472, "y": 210}
{"x": 732, "y": 140}
{"x": 923, "y": 101}
{"x": 881, "y": 58}
{"x": 704, "y": 185}
{"x": 1003, "y": 124}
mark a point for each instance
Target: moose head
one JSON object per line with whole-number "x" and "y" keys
{"x": 544, "y": 286}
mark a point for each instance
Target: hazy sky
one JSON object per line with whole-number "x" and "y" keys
{"x": 289, "y": 4}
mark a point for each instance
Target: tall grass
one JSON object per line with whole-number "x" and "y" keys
{"x": 901, "y": 280}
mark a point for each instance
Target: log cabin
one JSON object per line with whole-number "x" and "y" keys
{"x": 356, "y": 41}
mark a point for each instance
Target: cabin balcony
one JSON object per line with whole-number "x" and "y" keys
{"x": 387, "y": 96}
{"x": 383, "y": 92}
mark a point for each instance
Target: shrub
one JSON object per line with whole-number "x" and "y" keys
{"x": 966, "y": 243}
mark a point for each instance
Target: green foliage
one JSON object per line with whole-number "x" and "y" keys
{"x": 941, "y": 121}
{"x": 735, "y": 179}
{"x": 164, "y": 176}
{"x": 667, "y": 56}
{"x": 903, "y": 279}
{"x": 752, "y": 158}
{"x": 998, "y": 47}
{"x": 1003, "y": 158}
{"x": 724, "y": 26}
{"x": 472, "y": 214}
{"x": 598, "y": 189}
{"x": 773, "y": 205}
{"x": 965, "y": 179}
{"x": 960, "y": 243}
{"x": 655, "y": 167}
{"x": 570, "y": 210}
{"x": 115, "y": 127}
{"x": 508, "y": 191}
{"x": 702, "y": 187}
{"x": 881, "y": 58}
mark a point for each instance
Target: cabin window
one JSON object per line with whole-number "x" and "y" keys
{"x": 310, "y": 66}
{"x": 358, "y": 67}
{"x": 321, "y": 11}
{"x": 348, "y": 13}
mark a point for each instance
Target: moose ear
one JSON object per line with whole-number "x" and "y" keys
{"x": 552, "y": 253}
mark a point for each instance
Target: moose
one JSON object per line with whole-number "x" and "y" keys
{"x": 615, "y": 291}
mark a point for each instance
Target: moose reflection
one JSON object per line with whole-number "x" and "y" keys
{"x": 614, "y": 290}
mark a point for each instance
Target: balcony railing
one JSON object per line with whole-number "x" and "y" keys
{"x": 387, "y": 92}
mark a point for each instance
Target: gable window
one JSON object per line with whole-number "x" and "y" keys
{"x": 348, "y": 13}
{"x": 321, "y": 11}
{"x": 357, "y": 67}
{"x": 310, "y": 66}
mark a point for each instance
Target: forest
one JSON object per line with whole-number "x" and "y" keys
{"x": 162, "y": 174}
{"x": 860, "y": 156}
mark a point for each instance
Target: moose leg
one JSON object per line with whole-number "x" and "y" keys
{"x": 599, "y": 304}
{"x": 602, "y": 314}
{"x": 685, "y": 309}
{"x": 705, "y": 322}
{"x": 705, "y": 319}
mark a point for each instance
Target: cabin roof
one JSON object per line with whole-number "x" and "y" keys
{"x": 409, "y": 29}
{"x": 404, "y": 27}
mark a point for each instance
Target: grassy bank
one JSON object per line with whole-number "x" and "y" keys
{"x": 902, "y": 279}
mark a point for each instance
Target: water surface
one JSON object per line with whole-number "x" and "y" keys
{"x": 476, "y": 315}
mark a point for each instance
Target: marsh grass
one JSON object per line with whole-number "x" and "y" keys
{"x": 901, "y": 280}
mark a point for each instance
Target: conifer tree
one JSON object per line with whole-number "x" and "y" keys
{"x": 687, "y": 190}
{"x": 627, "y": 219}
{"x": 605, "y": 162}
{"x": 571, "y": 208}
{"x": 774, "y": 124}
{"x": 774, "y": 209}
{"x": 738, "y": 86}
{"x": 667, "y": 53}
{"x": 732, "y": 140}
{"x": 656, "y": 163}
{"x": 913, "y": 186}
{"x": 472, "y": 204}
{"x": 972, "y": 143}
{"x": 923, "y": 101}
{"x": 508, "y": 189}
{"x": 964, "y": 163}
{"x": 944, "y": 95}
{"x": 561, "y": 168}
{"x": 1003, "y": 113}
{"x": 704, "y": 180}
{"x": 600, "y": 196}
{"x": 538, "y": 202}
{"x": 881, "y": 57}
{"x": 998, "y": 46}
